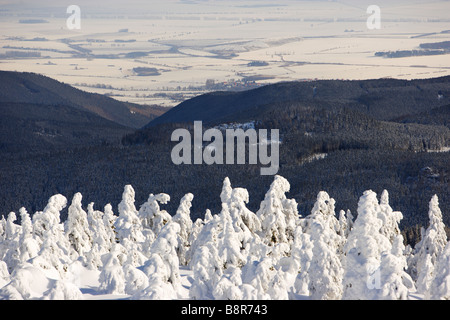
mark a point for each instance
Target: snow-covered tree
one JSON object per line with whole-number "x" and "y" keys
{"x": 225, "y": 195}
{"x": 229, "y": 244}
{"x": 207, "y": 270}
{"x": 278, "y": 214}
{"x": 100, "y": 235}
{"x": 77, "y": 227}
{"x": 128, "y": 224}
{"x": 101, "y": 232}
{"x": 183, "y": 218}
{"x": 165, "y": 245}
{"x": 10, "y": 246}
{"x": 440, "y": 286}
{"x": 151, "y": 214}
{"x": 244, "y": 220}
{"x": 162, "y": 267}
{"x": 301, "y": 256}
{"x": 112, "y": 276}
{"x": 390, "y": 218}
{"x": 62, "y": 290}
{"x": 229, "y": 285}
{"x": 44, "y": 221}
{"x": 363, "y": 249}
{"x": 259, "y": 274}
{"x": 56, "y": 251}
{"x": 4, "y": 274}
{"x": 325, "y": 269}
{"x": 432, "y": 244}
{"x": 395, "y": 283}
{"x": 158, "y": 287}
{"x": 345, "y": 223}
{"x": 24, "y": 282}
{"x": 103, "y": 235}
{"x": 109, "y": 220}
{"x": 29, "y": 246}
{"x": 135, "y": 279}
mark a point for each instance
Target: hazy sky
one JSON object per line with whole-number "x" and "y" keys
{"x": 139, "y": 6}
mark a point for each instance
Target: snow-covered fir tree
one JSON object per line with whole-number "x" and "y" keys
{"x": 29, "y": 246}
{"x": 77, "y": 227}
{"x": 439, "y": 288}
{"x": 363, "y": 251}
{"x": 56, "y": 252}
{"x": 325, "y": 269}
{"x": 183, "y": 218}
{"x": 431, "y": 246}
{"x": 128, "y": 225}
{"x": 151, "y": 214}
{"x": 278, "y": 214}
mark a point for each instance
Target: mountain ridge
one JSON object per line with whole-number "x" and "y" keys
{"x": 32, "y": 88}
{"x": 372, "y": 97}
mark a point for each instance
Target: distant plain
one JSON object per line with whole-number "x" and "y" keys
{"x": 164, "y": 52}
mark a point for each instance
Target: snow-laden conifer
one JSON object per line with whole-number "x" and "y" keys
{"x": 29, "y": 246}
{"x": 183, "y": 218}
{"x": 152, "y": 216}
{"x": 440, "y": 286}
{"x": 430, "y": 247}
{"x": 76, "y": 227}
{"x": 363, "y": 250}
{"x": 56, "y": 251}
{"x": 325, "y": 269}
{"x": 128, "y": 225}
{"x": 278, "y": 214}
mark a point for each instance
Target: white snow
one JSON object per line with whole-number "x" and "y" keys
{"x": 235, "y": 254}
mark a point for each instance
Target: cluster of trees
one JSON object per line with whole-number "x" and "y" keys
{"x": 409, "y": 53}
{"x": 273, "y": 253}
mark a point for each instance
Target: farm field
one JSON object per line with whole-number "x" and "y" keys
{"x": 165, "y": 54}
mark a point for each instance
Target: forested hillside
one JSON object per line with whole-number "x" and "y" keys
{"x": 30, "y": 88}
{"x": 325, "y": 145}
{"x": 381, "y": 99}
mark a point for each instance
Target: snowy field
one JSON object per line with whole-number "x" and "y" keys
{"x": 236, "y": 254}
{"x": 191, "y": 43}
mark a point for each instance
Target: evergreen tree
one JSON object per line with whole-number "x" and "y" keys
{"x": 229, "y": 245}
{"x": 165, "y": 246}
{"x": 325, "y": 270}
{"x": 392, "y": 273}
{"x": 278, "y": 214}
{"x": 11, "y": 244}
{"x": 29, "y": 247}
{"x": 390, "y": 218}
{"x": 432, "y": 244}
{"x": 112, "y": 277}
{"x": 363, "y": 250}
{"x": 77, "y": 227}
{"x": 183, "y": 218}
{"x": 56, "y": 251}
{"x": 128, "y": 225}
{"x": 152, "y": 216}
{"x": 440, "y": 286}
